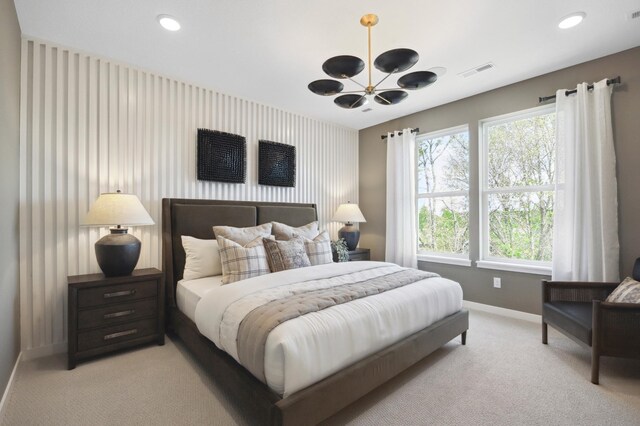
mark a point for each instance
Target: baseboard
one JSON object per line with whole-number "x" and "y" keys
{"x": 56, "y": 348}
{"x": 7, "y": 390}
{"x": 510, "y": 313}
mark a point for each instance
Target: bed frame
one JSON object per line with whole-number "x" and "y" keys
{"x": 316, "y": 402}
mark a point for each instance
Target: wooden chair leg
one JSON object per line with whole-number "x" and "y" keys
{"x": 595, "y": 367}
{"x": 544, "y": 332}
{"x": 464, "y": 337}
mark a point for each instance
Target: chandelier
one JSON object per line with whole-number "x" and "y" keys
{"x": 390, "y": 62}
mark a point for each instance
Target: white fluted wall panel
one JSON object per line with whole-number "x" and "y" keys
{"x": 91, "y": 125}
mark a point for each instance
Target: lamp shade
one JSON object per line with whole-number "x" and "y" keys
{"x": 348, "y": 213}
{"x": 116, "y": 208}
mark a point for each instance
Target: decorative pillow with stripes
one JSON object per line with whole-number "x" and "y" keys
{"x": 241, "y": 262}
{"x": 283, "y": 255}
{"x": 286, "y": 232}
{"x": 627, "y": 292}
{"x": 319, "y": 249}
{"x": 243, "y": 236}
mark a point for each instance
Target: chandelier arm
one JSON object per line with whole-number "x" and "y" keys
{"x": 386, "y": 100}
{"x": 380, "y": 82}
{"x": 351, "y": 79}
{"x": 350, "y": 92}
{"x": 351, "y": 106}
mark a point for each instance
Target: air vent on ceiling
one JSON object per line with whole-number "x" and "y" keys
{"x": 367, "y": 109}
{"x": 476, "y": 70}
{"x": 635, "y": 15}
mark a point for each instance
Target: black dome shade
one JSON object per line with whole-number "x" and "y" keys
{"x": 396, "y": 60}
{"x": 391, "y": 97}
{"x": 344, "y": 66}
{"x": 350, "y": 101}
{"x": 417, "y": 80}
{"x": 325, "y": 87}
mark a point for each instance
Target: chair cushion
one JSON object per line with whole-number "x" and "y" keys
{"x": 573, "y": 317}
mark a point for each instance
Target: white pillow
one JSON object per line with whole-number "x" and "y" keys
{"x": 202, "y": 258}
{"x": 243, "y": 236}
{"x": 286, "y": 232}
{"x": 242, "y": 262}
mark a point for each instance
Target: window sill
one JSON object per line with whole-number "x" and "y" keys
{"x": 460, "y": 261}
{"x": 514, "y": 267}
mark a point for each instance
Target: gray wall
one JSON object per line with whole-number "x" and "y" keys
{"x": 9, "y": 181}
{"x": 519, "y": 291}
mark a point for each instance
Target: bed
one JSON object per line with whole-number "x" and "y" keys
{"x": 308, "y": 400}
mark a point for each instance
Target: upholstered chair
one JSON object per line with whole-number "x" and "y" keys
{"x": 580, "y": 311}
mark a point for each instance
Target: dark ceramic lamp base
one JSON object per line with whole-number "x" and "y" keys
{"x": 117, "y": 253}
{"x": 351, "y": 235}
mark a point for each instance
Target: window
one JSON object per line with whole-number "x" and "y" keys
{"x": 443, "y": 194}
{"x": 517, "y": 176}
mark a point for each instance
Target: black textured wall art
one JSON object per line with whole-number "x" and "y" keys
{"x": 222, "y": 157}
{"x": 277, "y": 164}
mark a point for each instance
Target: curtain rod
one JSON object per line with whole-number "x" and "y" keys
{"x": 416, "y": 130}
{"x": 571, "y": 92}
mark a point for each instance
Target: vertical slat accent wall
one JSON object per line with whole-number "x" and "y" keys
{"x": 91, "y": 125}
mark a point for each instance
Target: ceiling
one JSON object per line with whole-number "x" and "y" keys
{"x": 268, "y": 51}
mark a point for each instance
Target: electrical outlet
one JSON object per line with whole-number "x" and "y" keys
{"x": 497, "y": 282}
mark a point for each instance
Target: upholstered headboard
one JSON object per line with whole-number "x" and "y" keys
{"x": 196, "y": 218}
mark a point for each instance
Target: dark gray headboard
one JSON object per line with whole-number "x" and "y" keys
{"x": 197, "y": 217}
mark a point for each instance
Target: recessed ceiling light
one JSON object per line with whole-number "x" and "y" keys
{"x": 168, "y": 22}
{"x": 571, "y": 20}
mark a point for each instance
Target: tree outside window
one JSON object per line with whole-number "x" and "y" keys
{"x": 518, "y": 177}
{"x": 443, "y": 192}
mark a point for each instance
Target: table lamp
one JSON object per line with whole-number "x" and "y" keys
{"x": 349, "y": 213}
{"x": 118, "y": 252}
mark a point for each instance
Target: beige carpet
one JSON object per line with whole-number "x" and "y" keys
{"x": 504, "y": 376}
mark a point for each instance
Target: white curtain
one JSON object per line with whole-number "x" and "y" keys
{"x": 585, "y": 226}
{"x": 401, "y": 240}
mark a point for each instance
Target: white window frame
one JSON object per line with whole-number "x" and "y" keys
{"x": 460, "y": 259}
{"x": 485, "y": 259}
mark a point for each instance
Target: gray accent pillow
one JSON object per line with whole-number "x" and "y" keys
{"x": 243, "y": 236}
{"x": 627, "y": 292}
{"x": 286, "y": 232}
{"x": 283, "y": 255}
{"x": 242, "y": 262}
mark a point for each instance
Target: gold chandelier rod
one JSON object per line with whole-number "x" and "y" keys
{"x": 369, "y": 21}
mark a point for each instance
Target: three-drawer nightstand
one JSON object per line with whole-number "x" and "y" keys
{"x": 111, "y": 313}
{"x": 359, "y": 254}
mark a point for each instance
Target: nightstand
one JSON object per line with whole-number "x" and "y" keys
{"x": 360, "y": 254}
{"x": 111, "y": 313}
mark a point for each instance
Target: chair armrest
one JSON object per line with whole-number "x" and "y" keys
{"x": 576, "y": 291}
{"x": 616, "y": 328}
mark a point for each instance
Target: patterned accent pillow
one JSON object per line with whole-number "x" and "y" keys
{"x": 243, "y": 236}
{"x": 319, "y": 249}
{"x": 202, "y": 258}
{"x": 242, "y": 262}
{"x": 627, "y": 292}
{"x": 283, "y": 255}
{"x": 286, "y": 232}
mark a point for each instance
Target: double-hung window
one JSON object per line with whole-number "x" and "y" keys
{"x": 517, "y": 177}
{"x": 443, "y": 195}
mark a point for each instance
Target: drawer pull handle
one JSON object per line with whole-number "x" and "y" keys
{"x": 119, "y": 294}
{"x": 119, "y": 314}
{"x": 120, "y": 334}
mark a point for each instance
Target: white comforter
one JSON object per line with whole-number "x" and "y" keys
{"x": 307, "y": 349}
